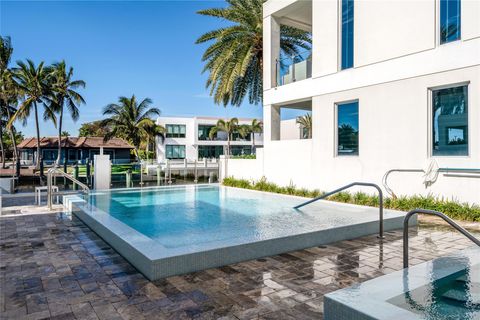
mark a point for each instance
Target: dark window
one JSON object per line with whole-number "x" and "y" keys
{"x": 347, "y": 119}
{"x": 209, "y": 152}
{"x": 238, "y": 137}
{"x": 449, "y": 20}
{"x": 450, "y": 121}
{"x": 347, "y": 34}
{"x": 175, "y": 151}
{"x": 176, "y": 131}
{"x": 241, "y": 150}
{"x": 204, "y": 132}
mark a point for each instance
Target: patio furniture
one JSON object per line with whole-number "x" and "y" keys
{"x": 38, "y": 193}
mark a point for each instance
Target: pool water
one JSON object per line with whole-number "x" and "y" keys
{"x": 456, "y": 297}
{"x": 186, "y": 216}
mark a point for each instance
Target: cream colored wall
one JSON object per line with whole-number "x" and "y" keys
{"x": 324, "y": 37}
{"x": 388, "y": 29}
{"x": 289, "y": 130}
{"x": 470, "y": 19}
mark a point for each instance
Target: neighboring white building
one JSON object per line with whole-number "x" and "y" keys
{"x": 188, "y": 138}
{"x": 390, "y": 84}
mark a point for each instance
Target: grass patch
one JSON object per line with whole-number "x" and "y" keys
{"x": 454, "y": 209}
{"x": 245, "y": 156}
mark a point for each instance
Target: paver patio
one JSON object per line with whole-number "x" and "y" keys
{"x": 53, "y": 266}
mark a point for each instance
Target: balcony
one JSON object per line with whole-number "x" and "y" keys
{"x": 292, "y": 69}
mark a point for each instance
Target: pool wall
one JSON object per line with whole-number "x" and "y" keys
{"x": 156, "y": 261}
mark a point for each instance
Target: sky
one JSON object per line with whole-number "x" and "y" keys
{"x": 120, "y": 48}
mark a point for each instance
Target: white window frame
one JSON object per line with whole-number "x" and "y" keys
{"x": 430, "y": 120}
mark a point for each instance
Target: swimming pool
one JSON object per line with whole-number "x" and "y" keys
{"x": 447, "y": 288}
{"x": 172, "y": 230}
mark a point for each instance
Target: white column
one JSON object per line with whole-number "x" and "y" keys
{"x": 102, "y": 172}
{"x": 271, "y": 51}
{"x": 271, "y": 123}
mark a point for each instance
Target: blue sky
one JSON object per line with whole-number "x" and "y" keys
{"x": 119, "y": 48}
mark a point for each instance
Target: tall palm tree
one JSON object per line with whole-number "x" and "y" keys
{"x": 33, "y": 82}
{"x": 305, "y": 123}
{"x": 255, "y": 127}
{"x": 229, "y": 127}
{"x": 153, "y": 131}
{"x": 9, "y": 95}
{"x": 6, "y": 50}
{"x": 63, "y": 95}
{"x": 128, "y": 120}
{"x": 235, "y": 58}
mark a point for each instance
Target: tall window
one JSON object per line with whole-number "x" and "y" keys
{"x": 347, "y": 130}
{"x": 449, "y": 20}
{"x": 347, "y": 34}
{"x": 176, "y": 131}
{"x": 210, "y": 152}
{"x": 175, "y": 151}
{"x": 450, "y": 121}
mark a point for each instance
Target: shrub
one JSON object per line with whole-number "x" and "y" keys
{"x": 452, "y": 208}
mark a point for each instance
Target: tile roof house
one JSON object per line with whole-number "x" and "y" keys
{"x": 74, "y": 149}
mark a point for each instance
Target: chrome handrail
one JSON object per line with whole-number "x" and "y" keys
{"x": 433, "y": 213}
{"x": 447, "y": 171}
{"x": 364, "y": 184}
{"x": 50, "y": 173}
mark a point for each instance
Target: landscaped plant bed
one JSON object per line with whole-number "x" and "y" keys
{"x": 454, "y": 209}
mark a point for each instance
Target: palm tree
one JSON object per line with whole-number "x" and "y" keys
{"x": 305, "y": 123}
{"x": 235, "y": 58}
{"x": 128, "y": 120}
{"x": 153, "y": 131}
{"x": 64, "y": 94}
{"x": 33, "y": 82}
{"x": 255, "y": 127}
{"x": 5, "y": 55}
{"x": 9, "y": 96}
{"x": 229, "y": 127}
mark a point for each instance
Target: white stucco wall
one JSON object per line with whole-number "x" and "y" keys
{"x": 289, "y": 130}
{"x": 397, "y": 59}
{"x": 395, "y": 132}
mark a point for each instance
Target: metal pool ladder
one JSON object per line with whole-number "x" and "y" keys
{"x": 56, "y": 170}
{"x": 432, "y": 213}
{"x": 363, "y": 184}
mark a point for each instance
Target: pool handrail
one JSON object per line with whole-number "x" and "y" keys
{"x": 353, "y": 184}
{"x": 433, "y": 213}
{"x": 450, "y": 172}
{"x": 56, "y": 170}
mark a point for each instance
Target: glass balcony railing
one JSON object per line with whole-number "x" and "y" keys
{"x": 295, "y": 68}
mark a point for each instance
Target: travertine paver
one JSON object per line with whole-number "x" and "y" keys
{"x": 53, "y": 266}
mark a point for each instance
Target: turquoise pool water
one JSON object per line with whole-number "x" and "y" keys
{"x": 455, "y": 297}
{"x": 186, "y": 216}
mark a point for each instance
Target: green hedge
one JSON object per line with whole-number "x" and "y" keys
{"x": 454, "y": 209}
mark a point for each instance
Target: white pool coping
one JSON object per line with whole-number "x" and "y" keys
{"x": 157, "y": 261}
{"x": 370, "y": 300}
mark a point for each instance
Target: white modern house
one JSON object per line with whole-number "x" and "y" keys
{"x": 390, "y": 84}
{"x": 189, "y": 138}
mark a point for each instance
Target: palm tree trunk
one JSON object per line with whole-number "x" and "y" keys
{"x": 37, "y": 159}
{"x": 253, "y": 143}
{"x": 2, "y": 150}
{"x": 14, "y": 144}
{"x": 147, "y": 148}
{"x": 228, "y": 145}
{"x": 60, "y": 136}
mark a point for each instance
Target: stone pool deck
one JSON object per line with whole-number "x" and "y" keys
{"x": 52, "y": 266}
